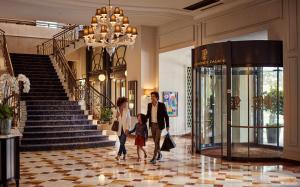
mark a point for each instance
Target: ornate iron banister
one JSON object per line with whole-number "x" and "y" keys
{"x": 94, "y": 100}
{"x": 66, "y": 71}
{"x": 5, "y": 53}
{"x": 64, "y": 38}
{"x": 14, "y": 99}
{"x": 80, "y": 90}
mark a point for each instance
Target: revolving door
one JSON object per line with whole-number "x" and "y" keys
{"x": 238, "y": 100}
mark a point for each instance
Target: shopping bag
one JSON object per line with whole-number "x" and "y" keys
{"x": 168, "y": 143}
{"x": 115, "y": 126}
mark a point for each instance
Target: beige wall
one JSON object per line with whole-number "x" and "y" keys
{"x": 172, "y": 77}
{"x": 149, "y": 67}
{"x": 25, "y": 38}
{"x": 281, "y": 19}
{"x": 79, "y": 57}
{"x": 21, "y": 44}
{"x": 134, "y": 63}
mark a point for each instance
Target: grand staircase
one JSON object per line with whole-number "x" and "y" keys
{"x": 53, "y": 122}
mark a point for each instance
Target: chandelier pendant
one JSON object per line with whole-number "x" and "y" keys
{"x": 109, "y": 29}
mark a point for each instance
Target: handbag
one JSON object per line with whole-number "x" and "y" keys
{"x": 168, "y": 143}
{"x": 115, "y": 126}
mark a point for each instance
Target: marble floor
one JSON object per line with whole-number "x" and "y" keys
{"x": 98, "y": 167}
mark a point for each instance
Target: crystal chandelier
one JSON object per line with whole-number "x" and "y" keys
{"x": 109, "y": 29}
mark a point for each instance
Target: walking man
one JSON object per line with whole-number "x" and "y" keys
{"x": 158, "y": 120}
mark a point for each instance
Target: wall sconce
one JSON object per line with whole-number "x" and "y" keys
{"x": 101, "y": 77}
{"x": 125, "y": 73}
{"x": 147, "y": 92}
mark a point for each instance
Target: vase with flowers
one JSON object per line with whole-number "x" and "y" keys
{"x": 9, "y": 89}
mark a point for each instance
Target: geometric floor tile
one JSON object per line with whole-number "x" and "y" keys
{"x": 98, "y": 167}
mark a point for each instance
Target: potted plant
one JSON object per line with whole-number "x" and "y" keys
{"x": 9, "y": 88}
{"x": 106, "y": 114}
{"x": 270, "y": 103}
{"x": 6, "y": 115}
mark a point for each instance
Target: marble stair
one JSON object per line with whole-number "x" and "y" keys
{"x": 53, "y": 122}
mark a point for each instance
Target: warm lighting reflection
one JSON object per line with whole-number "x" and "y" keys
{"x": 147, "y": 92}
{"x": 101, "y": 179}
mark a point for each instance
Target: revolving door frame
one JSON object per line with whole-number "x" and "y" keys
{"x": 230, "y": 55}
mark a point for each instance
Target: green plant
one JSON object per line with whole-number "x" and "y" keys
{"x": 6, "y": 112}
{"x": 106, "y": 114}
{"x": 270, "y": 104}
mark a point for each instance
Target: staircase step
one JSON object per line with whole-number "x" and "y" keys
{"x": 51, "y": 102}
{"x": 55, "y": 112}
{"x": 55, "y": 140}
{"x": 45, "y": 81}
{"x": 31, "y": 63}
{"x": 31, "y": 93}
{"x": 42, "y": 76}
{"x": 56, "y": 122}
{"x": 50, "y": 128}
{"x": 66, "y": 146}
{"x": 46, "y": 86}
{"x": 31, "y": 69}
{"x": 44, "y": 98}
{"x": 53, "y": 122}
{"x": 36, "y": 72}
{"x": 53, "y": 107}
{"x": 40, "y": 134}
{"x": 56, "y": 117}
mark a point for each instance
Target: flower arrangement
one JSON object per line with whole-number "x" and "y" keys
{"x": 9, "y": 87}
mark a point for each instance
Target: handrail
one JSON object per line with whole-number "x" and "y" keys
{"x": 94, "y": 100}
{"x": 64, "y": 59}
{"x": 94, "y": 89}
{"x": 64, "y": 38}
{"x": 61, "y": 61}
{"x": 15, "y": 21}
{"x": 14, "y": 99}
{"x": 65, "y": 30}
{"x": 6, "y": 56}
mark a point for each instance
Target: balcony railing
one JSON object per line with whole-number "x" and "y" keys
{"x": 64, "y": 38}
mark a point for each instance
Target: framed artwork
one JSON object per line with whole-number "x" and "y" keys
{"x": 171, "y": 101}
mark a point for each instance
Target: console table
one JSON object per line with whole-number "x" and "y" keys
{"x": 10, "y": 158}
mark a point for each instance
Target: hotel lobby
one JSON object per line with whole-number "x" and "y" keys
{"x": 149, "y": 93}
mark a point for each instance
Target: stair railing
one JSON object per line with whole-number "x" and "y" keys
{"x": 65, "y": 69}
{"x": 14, "y": 99}
{"x": 5, "y": 53}
{"x": 95, "y": 101}
{"x": 64, "y": 38}
{"x": 80, "y": 90}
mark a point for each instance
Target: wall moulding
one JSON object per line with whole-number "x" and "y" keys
{"x": 292, "y": 102}
{"x": 257, "y": 14}
{"x": 180, "y": 37}
{"x": 293, "y": 26}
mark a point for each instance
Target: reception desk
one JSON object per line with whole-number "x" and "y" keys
{"x": 10, "y": 158}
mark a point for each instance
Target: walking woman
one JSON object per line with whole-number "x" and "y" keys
{"x": 122, "y": 115}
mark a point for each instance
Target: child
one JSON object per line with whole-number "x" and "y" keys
{"x": 141, "y": 134}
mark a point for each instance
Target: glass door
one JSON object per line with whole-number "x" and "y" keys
{"x": 212, "y": 111}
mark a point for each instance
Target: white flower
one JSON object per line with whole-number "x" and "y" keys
{"x": 10, "y": 84}
{"x": 26, "y": 82}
